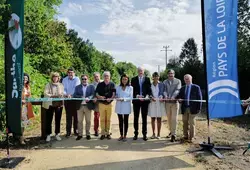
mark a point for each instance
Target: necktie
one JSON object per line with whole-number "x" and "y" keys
{"x": 140, "y": 85}
{"x": 187, "y": 95}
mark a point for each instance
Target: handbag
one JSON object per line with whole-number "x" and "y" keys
{"x": 55, "y": 103}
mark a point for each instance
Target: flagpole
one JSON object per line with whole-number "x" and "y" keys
{"x": 205, "y": 65}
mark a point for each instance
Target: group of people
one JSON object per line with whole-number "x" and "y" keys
{"x": 156, "y": 99}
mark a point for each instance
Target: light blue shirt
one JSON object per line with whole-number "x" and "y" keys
{"x": 124, "y": 107}
{"x": 187, "y": 93}
{"x": 69, "y": 85}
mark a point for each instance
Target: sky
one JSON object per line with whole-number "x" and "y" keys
{"x": 135, "y": 30}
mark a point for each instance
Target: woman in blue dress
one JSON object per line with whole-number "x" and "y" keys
{"x": 124, "y": 94}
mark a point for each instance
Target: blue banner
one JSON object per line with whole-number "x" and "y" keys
{"x": 221, "y": 57}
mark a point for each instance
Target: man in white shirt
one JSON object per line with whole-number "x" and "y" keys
{"x": 69, "y": 83}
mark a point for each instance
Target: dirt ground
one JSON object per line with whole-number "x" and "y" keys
{"x": 228, "y": 132}
{"x": 153, "y": 154}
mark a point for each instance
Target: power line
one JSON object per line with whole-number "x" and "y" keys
{"x": 166, "y": 49}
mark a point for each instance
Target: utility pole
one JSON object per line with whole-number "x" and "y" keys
{"x": 159, "y": 69}
{"x": 166, "y": 49}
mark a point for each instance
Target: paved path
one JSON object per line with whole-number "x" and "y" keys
{"x": 111, "y": 154}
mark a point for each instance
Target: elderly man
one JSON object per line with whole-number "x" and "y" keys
{"x": 189, "y": 108}
{"x": 84, "y": 107}
{"x": 97, "y": 80}
{"x": 69, "y": 83}
{"x": 172, "y": 88}
{"x": 105, "y": 93}
{"x": 141, "y": 89}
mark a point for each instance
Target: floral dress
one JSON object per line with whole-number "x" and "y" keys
{"x": 27, "y": 111}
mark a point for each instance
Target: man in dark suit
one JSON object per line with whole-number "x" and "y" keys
{"x": 84, "y": 107}
{"x": 141, "y": 89}
{"x": 189, "y": 108}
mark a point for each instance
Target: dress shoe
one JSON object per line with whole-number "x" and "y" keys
{"x": 169, "y": 135}
{"x": 88, "y": 137}
{"x": 108, "y": 137}
{"x": 102, "y": 137}
{"x": 172, "y": 138}
{"x": 145, "y": 138}
{"x": 68, "y": 135}
{"x": 96, "y": 134}
{"x": 76, "y": 134}
{"x": 79, "y": 137}
{"x": 135, "y": 137}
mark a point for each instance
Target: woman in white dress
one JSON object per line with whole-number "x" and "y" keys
{"x": 156, "y": 106}
{"x": 124, "y": 94}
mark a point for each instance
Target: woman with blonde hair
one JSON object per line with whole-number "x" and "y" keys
{"x": 54, "y": 89}
{"x": 27, "y": 111}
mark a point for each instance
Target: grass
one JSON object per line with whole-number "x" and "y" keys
{"x": 200, "y": 159}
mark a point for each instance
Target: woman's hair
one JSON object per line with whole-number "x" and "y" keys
{"x": 124, "y": 75}
{"x": 156, "y": 74}
{"x": 25, "y": 74}
{"x": 55, "y": 74}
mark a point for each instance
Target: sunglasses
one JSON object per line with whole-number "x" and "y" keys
{"x": 84, "y": 79}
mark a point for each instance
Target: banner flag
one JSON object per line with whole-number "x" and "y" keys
{"x": 14, "y": 65}
{"x": 221, "y": 57}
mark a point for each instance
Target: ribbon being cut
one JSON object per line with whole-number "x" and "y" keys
{"x": 33, "y": 100}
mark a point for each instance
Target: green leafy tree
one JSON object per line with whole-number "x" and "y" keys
{"x": 147, "y": 73}
{"x": 45, "y": 38}
{"x": 244, "y": 47}
{"x": 126, "y": 68}
{"x": 2, "y": 71}
{"x": 189, "y": 52}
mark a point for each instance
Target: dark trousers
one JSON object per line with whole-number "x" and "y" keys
{"x": 143, "y": 107}
{"x": 71, "y": 111}
{"x": 49, "y": 117}
{"x": 123, "y": 122}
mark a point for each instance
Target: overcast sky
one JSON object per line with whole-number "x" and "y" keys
{"x": 135, "y": 30}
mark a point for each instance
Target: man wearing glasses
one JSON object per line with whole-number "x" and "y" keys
{"x": 172, "y": 89}
{"x": 85, "y": 106}
{"x": 69, "y": 83}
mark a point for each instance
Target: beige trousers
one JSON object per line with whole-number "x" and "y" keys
{"x": 81, "y": 113}
{"x": 105, "y": 118}
{"x": 172, "y": 116}
{"x": 188, "y": 124}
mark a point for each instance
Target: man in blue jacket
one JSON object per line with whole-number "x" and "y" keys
{"x": 84, "y": 107}
{"x": 189, "y": 108}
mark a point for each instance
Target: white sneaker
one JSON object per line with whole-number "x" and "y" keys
{"x": 48, "y": 138}
{"x": 58, "y": 138}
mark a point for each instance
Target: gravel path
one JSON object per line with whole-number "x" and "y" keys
{"x": 110, "y": 154}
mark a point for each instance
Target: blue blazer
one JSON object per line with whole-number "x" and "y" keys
{"x": 195, "y": 94}
{"x": 90, "y": 92}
